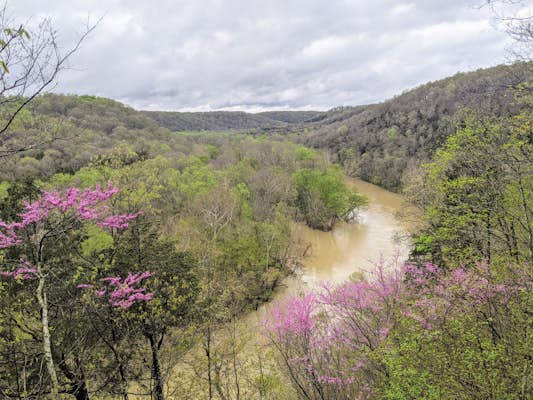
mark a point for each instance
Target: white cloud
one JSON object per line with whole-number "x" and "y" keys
{"x": 402, "y": 8}
{"x": 456, "y": 32}
{"x": 276, "y": 54}
{"x": 326, "y": 46}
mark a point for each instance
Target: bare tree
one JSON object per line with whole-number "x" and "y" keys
{"x": 517, "y": 19}
{"x": 30, "y": 62}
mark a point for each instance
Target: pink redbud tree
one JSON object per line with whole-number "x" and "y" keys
{"x": 329, "y": 340}
{"x": 46, "y": 224}
{"x": 326, "y": 338}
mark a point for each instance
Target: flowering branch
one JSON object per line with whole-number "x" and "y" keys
{"x": 122, "y": 293}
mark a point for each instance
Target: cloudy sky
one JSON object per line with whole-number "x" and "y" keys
{"x": 266, "y": 54}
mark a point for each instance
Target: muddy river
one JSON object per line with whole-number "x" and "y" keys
{"x": 381, "y": 230}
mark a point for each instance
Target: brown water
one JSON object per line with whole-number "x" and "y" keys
{"x": 380, "y": 230}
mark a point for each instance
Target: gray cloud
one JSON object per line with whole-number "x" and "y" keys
{"x": 276, "y": 54}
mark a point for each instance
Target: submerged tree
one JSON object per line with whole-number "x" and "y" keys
{"x": 323, "y": 197}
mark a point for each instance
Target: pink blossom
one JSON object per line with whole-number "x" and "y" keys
{"x": 25, "y": 271}
{"x": 323, "y": 334}
{"x": 123, "y": 293}
{"x": 294, "y": 316}
{"x": 21, "y": 272}
{"x": 117, "y": 221}
{"x": 327, "y": 335}
{"x": 112, "y": 280}
{"x": 84, "y": 286}
{"x": 87, "y": 205}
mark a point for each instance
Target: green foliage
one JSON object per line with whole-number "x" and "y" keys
{"x": 407, "y": 381}
{"x": 196, "y": 178}
{"x": 216, "y": 232}
{"x": 4, "y": 186}
{"x": 323, "y": 197}
{"x": 243, "y": 195}
{"x": 392, "y": 133}
{"x": 97, "y": 241}
{"x": 304, "y": 153}
{"x": 472, "y": 356}
{"x": 482, "y": 189}
{"x": 477, "y": 194}
{"x": 11, "y": 205}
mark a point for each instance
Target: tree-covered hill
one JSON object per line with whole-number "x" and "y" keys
{"x": 383, "y": 142}
{"x": 211, "y": 121}
{"x": 144, "y": 247}
{"x": 103, "y": 114}
{"x": 65, "y": 132}
{"x": 293, "y": 117}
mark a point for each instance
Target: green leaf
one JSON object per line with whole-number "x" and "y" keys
{"x": 4, "y": 67}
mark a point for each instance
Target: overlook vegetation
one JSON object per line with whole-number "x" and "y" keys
{"x": 137, "y": 248}
{"x": 146, "y": 242}
{"x": 209, "y": 233}
{"x": 228, "y": 120}
{"x": 454, "y": 322}
{"x": 382, "y": 143}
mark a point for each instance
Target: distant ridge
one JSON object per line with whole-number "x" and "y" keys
{"x": 229, "y": 120}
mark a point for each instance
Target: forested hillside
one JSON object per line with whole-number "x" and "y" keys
{"x": 381, "y": 143}
{"x": 136, "y": 256}
{"x": 455, "y": 321}
{"x": 229, "y": 255}
{"x": 64, "y": 132}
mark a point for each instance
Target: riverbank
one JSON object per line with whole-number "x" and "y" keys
{"x": 382, "y": 229}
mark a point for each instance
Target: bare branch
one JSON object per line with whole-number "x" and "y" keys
{"x": 517, "y": 19}
{"x": 30, "y": 62}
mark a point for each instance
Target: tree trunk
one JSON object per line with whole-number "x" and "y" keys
{"x": 207, "y": 349}
{"x": 77, "y": 377}
{"x": 121, "y": 369}
{"x": 217, "y": 381}
{"x": 156, "y": 369}
{"x": 47, "y": 348}
{"x": 234, "y": 354}
{"x": 118, "y": 360}
{"x": 123, "y": 382}
{"x": 81, "y": 392}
